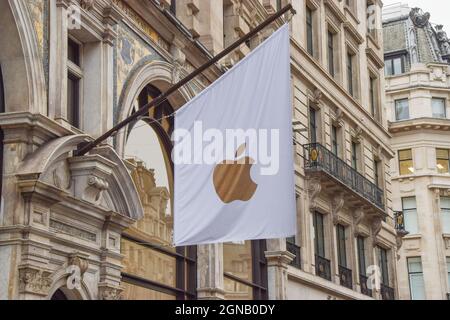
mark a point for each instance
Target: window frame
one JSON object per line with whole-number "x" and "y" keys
{"x": 319, "y": 235}
{"x": 444, "y": 104}
{"x": 400, "y": 161}
{"x": 445, "y": 211}
{"x": 439, "y": 159}
{"x": 383, "y": 263}
{"x": 350, "y": 72}
{"x": 397, "y": 114}
{"x": 389, "y": 61}
{"x": 309, "y": 31}
{"x": 341, "y": 241}
{"x": 410, "y": 211}
{"x": 362, "y": 256}
{"x": 410, "y": 274}
{"x": 331, "y": 53}
{"x": 74, "y": 74}
{"x": 313, "y": 128}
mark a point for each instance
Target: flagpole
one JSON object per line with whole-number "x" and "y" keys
{"x": 85, "y": 147}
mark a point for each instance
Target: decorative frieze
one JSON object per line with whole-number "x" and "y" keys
{"x": 34, "y": 280}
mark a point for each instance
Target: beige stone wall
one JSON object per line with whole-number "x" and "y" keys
{"x": 423, "y": 134}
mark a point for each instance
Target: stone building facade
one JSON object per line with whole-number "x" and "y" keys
{"x": 100, "y": 226}
{"x": 417, "y": 57}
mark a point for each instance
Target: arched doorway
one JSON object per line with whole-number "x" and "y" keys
{"x": 153, "y": 269}
{"x": 59, "y": 296}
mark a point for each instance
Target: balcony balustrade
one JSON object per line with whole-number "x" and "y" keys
{"x": 295, "y": 250}
{"x": 346, "y": 277}
{"x": 319, "y": 159}
{"x": 323, "y": 268}
{"x": 387, "y": 293}
{"x": 363, "y": 281}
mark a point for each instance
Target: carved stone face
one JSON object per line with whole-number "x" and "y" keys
{"x": 419, "y": 18}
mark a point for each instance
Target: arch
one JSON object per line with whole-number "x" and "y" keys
{"x": 60, "y": 284}
{"x": 23, "y": 70}
{"x": 122, "y": 191}
{"x": 160, "y": 75}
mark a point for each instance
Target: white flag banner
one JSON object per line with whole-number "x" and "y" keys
{"x": 233, "y": 154}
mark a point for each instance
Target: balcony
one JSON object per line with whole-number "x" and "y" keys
{"x": 345, "y": 276}
{"x": 321, "y": 162}
{"x": 387, "y": 293}
{"x": 323, "y": 268}
{"x": 400, "y": 224}
{"x": 363, "y": 283}
{"x": 295, "y": 250}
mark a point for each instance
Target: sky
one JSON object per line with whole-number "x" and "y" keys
{"x": 439, "y": 10}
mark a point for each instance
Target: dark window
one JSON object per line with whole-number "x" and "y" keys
{"x": 341, "y": 246}
{"x": 362, "y": 256}
{"x": 377, "y": 172}
{"x": 373, "y": 97}
{"x": 73, "y": 52}
{"x": 395, "y": 65}
{"x": 309, "y": 31}
{"x": 319, "y": 233}
{"x": 73, "y": 100}
{"x": 350, "y": 74}
{"x": 354, "y": 155}
{"x": 331, "y": 53}
{"x": 384, "y": 266}
{"x": 334, "y": 140}
{"x": 313, "y": 124}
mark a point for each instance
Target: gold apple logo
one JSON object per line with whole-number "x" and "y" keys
{"x": 232, "y": 178}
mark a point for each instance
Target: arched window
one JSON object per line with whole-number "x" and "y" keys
{"x": 153, "y": 269}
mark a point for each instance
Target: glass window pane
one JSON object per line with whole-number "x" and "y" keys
{"x": 443, "y": 166}
{"x": 417, "y": 287}
{"x": 237, "y": 291}
{"x": 442, "y": 154}
{"x": 406, "y": 167}
{"x": 438, "y": 106}
{"x": 405, "y": 154}
{"x": 411, "y": 224}
{"x": 415, "y": 265}
{"x": 402, "y": 109}
{"x": 148, "y": 264}
{"x": 409, "y": 203}
{"x": 445, "y": 210}
{"x": 134, "y": 292}
{"x": 238, "y": 260}
{"x": 388, "y": 67}
{"x": 445, "y": 202}
{"x": 397, "y": 65}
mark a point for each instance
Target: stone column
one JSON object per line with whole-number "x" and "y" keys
{"x": 278, "y": 259}
{"x": 210, "y": 272}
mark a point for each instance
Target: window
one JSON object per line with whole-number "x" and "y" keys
{"x": 341, "y": 246}
{"x": 443, "y": 160}
{"x": 445, "y": 211}
{"x": 383, "y": 263}
{"x": 406, "y": 165}
{"x": 410, "y": 215}
{"x": 377, "y": 172}
{"x": 319, "y": 234}
{"x": 355, "y": 152}
{"x": 416, "y": 282}
{"x": 350, "y": 75}
{"x": 373, "y": 97}
{"x": 331, "y": 53}
{"x": 313, "y": 124}
{"x": 74, "y": 76}
{"x": 395, "y": 65}
{"x": 171, "y": 273}
{"x": 334, "y": 140}
{"x": 401, "y": 109}
{"x": 438, "y": 106}
{"x": 245, "y": 270}
{"x": 309, "y": 31}
{"x": 362, "y": 265}
{"x": 448, "y": 270}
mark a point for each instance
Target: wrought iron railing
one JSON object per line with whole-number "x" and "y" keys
{"x": 387, "y": 293}
{"x": 323, "y": 268}
{"x": 317, "y": 157}
{"x": 363, "y": 281}
{"x": 345, "y": 276}
{"x": 295, "y": 250}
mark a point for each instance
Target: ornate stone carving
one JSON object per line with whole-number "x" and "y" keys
{"x": 79, "y": 260}
{"x": 314, "y": 189}
{"x": 443, "y": 40}
{"x": 87, "y": 4}
{"x": 109, "y": 293}
{"x": 337, "y": 205}
{"x": 358, "y": 216}
{"x": 61, "y": 175}
{"x": 377, "y": 224}
{"x": 95, "y": 186}
{"x": 34, "y": 280}
{"x": 419, "y": 18}
{"x": 317, "y": 96}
